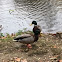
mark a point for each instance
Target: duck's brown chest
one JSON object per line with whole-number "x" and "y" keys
{"x": 35, "y": 28}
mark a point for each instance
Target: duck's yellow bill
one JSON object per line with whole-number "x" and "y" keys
{"x": 30, "y": 24}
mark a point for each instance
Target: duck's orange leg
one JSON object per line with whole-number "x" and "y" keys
{"x": 29, "y": 46}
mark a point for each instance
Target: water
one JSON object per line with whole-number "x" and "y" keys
{"x": 18, "y": 14}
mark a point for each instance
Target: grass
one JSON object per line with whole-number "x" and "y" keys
{"x": 9, "y": 37}
{"x": 56, "y": 51}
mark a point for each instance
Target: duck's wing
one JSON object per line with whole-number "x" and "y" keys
{"x": 22, "y": 36}
{"x": 25, "y": 38}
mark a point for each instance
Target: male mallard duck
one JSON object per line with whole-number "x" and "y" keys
{"x": 28, "y": 38}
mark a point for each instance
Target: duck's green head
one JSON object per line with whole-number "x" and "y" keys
{"x": 34, "y": 22}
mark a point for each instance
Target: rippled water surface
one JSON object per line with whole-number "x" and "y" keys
{"x": 18, "y": 14}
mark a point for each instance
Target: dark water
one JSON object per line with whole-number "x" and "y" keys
{"x": 18, "y": 14}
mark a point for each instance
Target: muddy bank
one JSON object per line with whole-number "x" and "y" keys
{"x": 47, "y": 48}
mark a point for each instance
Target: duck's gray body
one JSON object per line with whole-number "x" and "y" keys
{"x": 25, "y": 38}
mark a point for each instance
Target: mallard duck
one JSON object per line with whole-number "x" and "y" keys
{"x": 29, "y": 38}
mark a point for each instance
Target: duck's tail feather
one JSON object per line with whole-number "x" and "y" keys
{"x": 15, "y": 40}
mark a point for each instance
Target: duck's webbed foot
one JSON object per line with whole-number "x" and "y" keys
{"x": 29, "y": 46}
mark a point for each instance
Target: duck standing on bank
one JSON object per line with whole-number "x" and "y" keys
{"x": 29, "y": 38}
